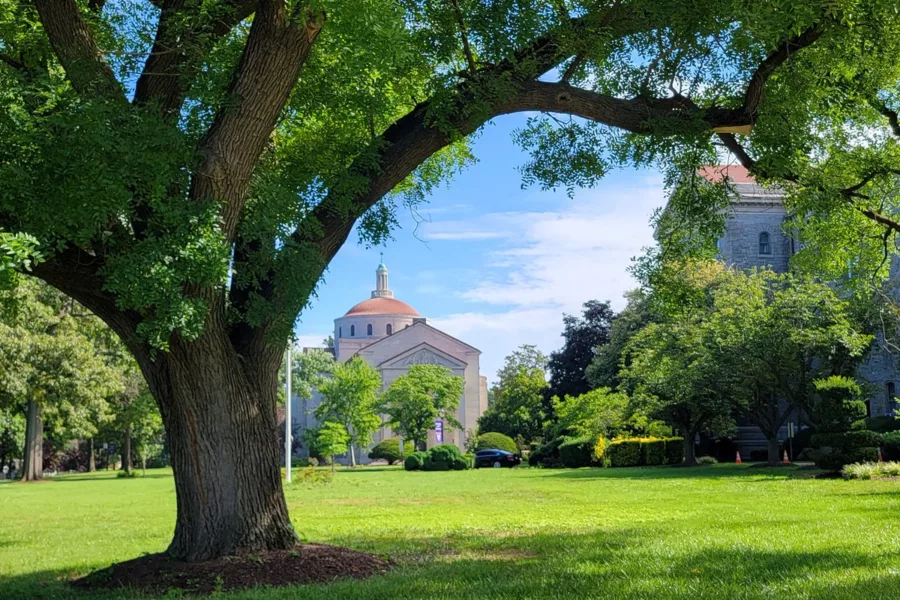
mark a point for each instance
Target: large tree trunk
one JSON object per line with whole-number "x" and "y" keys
{"x": 126, "y": 451}
{"x": 34, "y": 444}
{"x": 690, "y": 455}
{"x": 219, "y": 413}
{"x": 92, "y": 461}
{"x": 772, "y": 449}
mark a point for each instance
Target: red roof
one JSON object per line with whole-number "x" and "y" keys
{"x": 736, "y": 173}
{"x": 382, "y": 306}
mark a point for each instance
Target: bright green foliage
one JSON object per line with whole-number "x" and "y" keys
{"x": 871, "y": 470}
{"x": 310, "y": 369}
{"x": 840, "y": 437}
{"x": 147, "y": 431}
{"x": 416, "y": 399}
{"x": 350, "y": 397}
{"x": 598, "y": 413}
{"x": 55, "y": 353}
{"x": 493, "y": 440}
{"x": 518, "y": 396}
{"x": 332, "y": 438}
{"x": 389, "y": 450}
{"x": 604, "y": 368}
{"x": 634, "y": 452}
{"x": 415, "y": 461}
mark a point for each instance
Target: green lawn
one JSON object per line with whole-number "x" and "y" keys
{"x": 713, "y": 532}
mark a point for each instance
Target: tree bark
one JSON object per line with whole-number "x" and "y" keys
{"x": 92, "y": 462}
{"x": 690, "y": 456}
{"x": 773, "y": 449}
{"x": 126, "y": 451}
{"x": 219, "y": 412}
{"x": 34, "y": 444}
{"x": 352, "y": 456}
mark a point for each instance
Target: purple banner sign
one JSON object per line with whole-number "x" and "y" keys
{"x": 439, "y": 431}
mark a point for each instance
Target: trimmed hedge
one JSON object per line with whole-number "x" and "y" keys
{"x": 891, "y": 446}
{"x": 636, "y": 452}
{"x": 674, "y": 451}
{"x": 847, "y": 440}
{"x": 576, "y": 452}
{"x": 496, "y": 441}
{"x": 548, "y": 452}
{"x": 883, "y": 424}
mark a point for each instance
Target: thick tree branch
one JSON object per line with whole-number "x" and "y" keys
{"x": 75, "y": 48}
{"x": 753, "y": 94}
{"x": 178, "y": 50}
{"x": 275, "y": 51}
{"x": 891, "y": 115}
{"x": 9, "y": 60}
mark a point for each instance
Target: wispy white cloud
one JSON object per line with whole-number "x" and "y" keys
{"x": 548, "y": 263}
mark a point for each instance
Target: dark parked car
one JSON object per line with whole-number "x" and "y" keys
{"x": 496, "y": 458}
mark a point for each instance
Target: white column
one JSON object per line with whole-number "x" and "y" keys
{"x": 287, "y": 415}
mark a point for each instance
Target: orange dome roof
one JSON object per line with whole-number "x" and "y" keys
{"x": 382, "y": 306}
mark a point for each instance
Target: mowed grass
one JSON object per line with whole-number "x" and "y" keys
{"x": 712, "y": 532}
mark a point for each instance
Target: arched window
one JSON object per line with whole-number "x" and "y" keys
{"x": 352, "y": 330}
{"x": 389, "y": 329}
{"x": 369, "y": 329}
{"x": 764, "y": 246}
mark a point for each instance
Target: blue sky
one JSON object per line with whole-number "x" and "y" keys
{"x": 497, "y": 265}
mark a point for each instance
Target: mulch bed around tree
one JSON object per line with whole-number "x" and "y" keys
{"x": 157, "y": 574}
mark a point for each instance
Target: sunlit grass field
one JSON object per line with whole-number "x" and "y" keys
{"x": 713, "y": 532}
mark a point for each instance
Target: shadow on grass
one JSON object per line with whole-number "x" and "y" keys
{"x": 620, "y": 563}
{"x": 77, "y": 478}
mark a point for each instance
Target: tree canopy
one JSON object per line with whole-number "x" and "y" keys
{"x": 416, "y": 399}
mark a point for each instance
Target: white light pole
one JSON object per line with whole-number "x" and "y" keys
{"x": 287, "y": 416}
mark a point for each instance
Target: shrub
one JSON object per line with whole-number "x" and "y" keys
{"x": 126, "y": 475}
{"x": 459, "y": 464}
{"x": 884, "y": 424}
{"x": 891, "y": 445}
{"x": 498, "y": 441}
{"x": 707, "y": 460}
{"x": 624, "y": 453}
{"x": 653, "y": 452}
{"x": 389, "y": 450}
{"x": 470, "y": 460}
{"x": 299, "y": 462}
{"x": 313, "y": 476}
{"x": 871, "y": 470}
{"x": 546, "y": 452}
{"x": 599, "y": 453}
{"x": 444, "y": 453}
{"x": 415, "y": 461}
{"x": 576, "y": 452}
{"x": 436, "y": 465}
{"x": 674, "y": 451}
{"x": 841, "y": 439}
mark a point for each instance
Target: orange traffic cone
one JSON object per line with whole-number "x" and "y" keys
{"x": 786, "y": 461}
{"x": 737, "y": 460}
{"x": 880, "y": 457}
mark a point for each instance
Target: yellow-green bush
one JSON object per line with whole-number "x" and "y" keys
{"x": 599, "y": 452}
{"x": 635, "y": 452}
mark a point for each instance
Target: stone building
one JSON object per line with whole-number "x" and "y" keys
{"x": 757, "y": 234}
{"x": 391, "y": 336}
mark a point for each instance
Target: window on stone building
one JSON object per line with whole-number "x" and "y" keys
{"x": 340, "y": 332}
{"x": 369, "y": 329}
{"x": 891, "y": 398}
{"x": 389, "y": 329}
{"x": 764, "y": 246}
{"x": 352, "y": 330}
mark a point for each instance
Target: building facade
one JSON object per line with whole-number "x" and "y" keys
{"x": 391, "y": 336}
{"x": 757, "y": 234}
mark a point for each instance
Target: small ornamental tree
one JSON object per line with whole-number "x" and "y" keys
{"x": 416, "y": 399}
{"x": 492, "y": 440}
{"x": 350, "y": 397}
{"x": 389, "y": 450}
{"x": 332, "y": 438}
{"x": 841, "y": 437}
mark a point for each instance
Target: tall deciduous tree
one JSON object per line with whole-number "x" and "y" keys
{"x": 582, "y": 336}
{"x": 776, "y": 335}
{"x": 518, "y": 396}
{"x": 350, "y": 397}
{"x": 195, "y": 209}
{"x": 416, "y": 399}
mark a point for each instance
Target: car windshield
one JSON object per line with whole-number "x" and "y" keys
{"x": 492, "y": 453}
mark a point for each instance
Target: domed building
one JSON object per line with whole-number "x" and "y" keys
{"x": 391, "y": 335}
